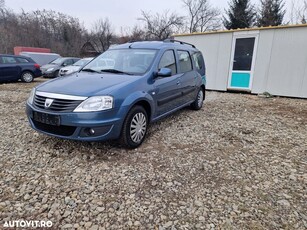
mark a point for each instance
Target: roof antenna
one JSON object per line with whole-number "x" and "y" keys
{"x": 131, "y": 43}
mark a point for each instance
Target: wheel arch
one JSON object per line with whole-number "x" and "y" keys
{"x": 203, "y": 87}
{"x": 146, "y": 105}
{"x": 142, "y": 99}
{"x": 26, "y": 70}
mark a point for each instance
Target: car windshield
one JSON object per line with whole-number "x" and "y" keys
{"x": 123, "y": 61}
{"x": 82, "y": 62}
{"x": 57, "y": 61}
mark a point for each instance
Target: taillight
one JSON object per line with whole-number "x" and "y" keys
{"x": 37, "y": 66}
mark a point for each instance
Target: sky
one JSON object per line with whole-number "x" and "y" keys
{"x": 121, "y": 13}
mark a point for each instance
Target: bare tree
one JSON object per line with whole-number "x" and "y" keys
{"x": 62, "y": 33}
{"x": 298, "y": 12}
{"x": 202, "y": 16}
{"x": 102, "y": 35}
{"x": 161, "y": 26}
{"x": 2, "y": 3}
{"x": 136, "y": 33}
{"x": 8, "y": 25}
{"x": 304, "y": 13}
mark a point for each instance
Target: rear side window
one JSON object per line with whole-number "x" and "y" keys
{"x": 198, "y": 60}
{"x": 185, "y": 62}
{"x": 199, "y": 63}
{"x": 8, "y": 60}
{"x": 168, "y": 61}
{"x": 22, "y": 60}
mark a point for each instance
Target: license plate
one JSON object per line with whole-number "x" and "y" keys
{"x": 48, "y": 119}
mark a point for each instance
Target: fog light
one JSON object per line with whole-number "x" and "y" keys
{"x": 95, "y": 131}
{"x": 91, "y": 131}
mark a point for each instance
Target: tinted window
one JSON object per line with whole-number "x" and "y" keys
{"x": 57, "y": 61}
{"x": 244, "y": 54}
{"x": 198, "y": 60}
{"x": 8, "y": 60}
{"x": 168, "y": 61}
{"x": 68, "y": 62}
{"x": 184, "y": 61}
{"x": 22, "y": 60}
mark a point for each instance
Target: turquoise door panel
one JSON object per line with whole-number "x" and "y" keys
{"x": 240, "y": 80}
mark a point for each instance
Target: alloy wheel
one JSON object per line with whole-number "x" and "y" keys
{"x": 138, "y": 127}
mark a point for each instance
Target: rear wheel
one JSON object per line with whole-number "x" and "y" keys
{"x": 134, "y": 127}
{"x": 199, "y": 101}
{"x": 27, "y": 77}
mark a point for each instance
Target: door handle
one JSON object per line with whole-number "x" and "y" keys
{"x": 178, "y": 82}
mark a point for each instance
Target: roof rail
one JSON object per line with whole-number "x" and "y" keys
{"x": 181, "y": 42}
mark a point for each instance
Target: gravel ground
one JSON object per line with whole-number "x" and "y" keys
{"x": 239, "y": 163}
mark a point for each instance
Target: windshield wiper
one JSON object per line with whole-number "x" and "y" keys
{"x": 90, "y": 70}
{"x": 115, "y": 71}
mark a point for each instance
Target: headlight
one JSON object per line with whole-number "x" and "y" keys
{"x": 97, "y": 103}
{"x": 31, "y": 97}
{"x": 50, "y": 69}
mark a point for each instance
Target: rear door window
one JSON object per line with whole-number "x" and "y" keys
{"x": 199, "y": 63}
{"x": 168, "y": 61}
{"x": 22, "y": 60}
{"x": 185, "y": 62}
{"x": 8, "y": 60}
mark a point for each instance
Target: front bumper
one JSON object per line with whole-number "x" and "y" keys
{"x": 50, "y": 74}
{"x": 63, "y": 73}
{"x": 78, "y": 126}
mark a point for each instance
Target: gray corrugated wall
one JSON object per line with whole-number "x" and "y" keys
{"x": 280, "y": 66}
{"x": 281, "y": 62}
{"x": 216, "y": 49}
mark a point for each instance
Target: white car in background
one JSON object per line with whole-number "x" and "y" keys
{"x": 75, "y": 67}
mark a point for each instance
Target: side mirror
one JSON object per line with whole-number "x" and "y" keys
{"x": 64, "y": 64}
{"x": 164, "y": 72}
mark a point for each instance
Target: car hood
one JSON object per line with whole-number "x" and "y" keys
{"x": 47, "y": 66}
{"x": 71, "y": 68}
{"x": 86, "y": 84}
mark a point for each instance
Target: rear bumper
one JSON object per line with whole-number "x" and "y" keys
{"x": 37, "y": 73}
{"x": 77, "y": 126}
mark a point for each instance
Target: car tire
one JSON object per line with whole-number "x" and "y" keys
{"x": 199, "y": 101}
{"x": 134, "y": 128}
{"x": 27, "y": 76}
{"x": 56, "y": 73}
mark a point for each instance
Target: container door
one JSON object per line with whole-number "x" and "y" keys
{"x": 242, "y": 65}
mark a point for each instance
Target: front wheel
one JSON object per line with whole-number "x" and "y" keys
{"x": 27, "y": 77}
{"x": 199, "y": 101}
{"x": 56, "y": 73}
{"x": 134, "y": 127}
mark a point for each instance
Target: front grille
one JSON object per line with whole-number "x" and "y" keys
{"x": 61, "y": 130}
{"x": 58, "y": 105}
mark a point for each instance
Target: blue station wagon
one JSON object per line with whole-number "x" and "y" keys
{"x": 144, "y": 82}
{"x": 14, "y": 67}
